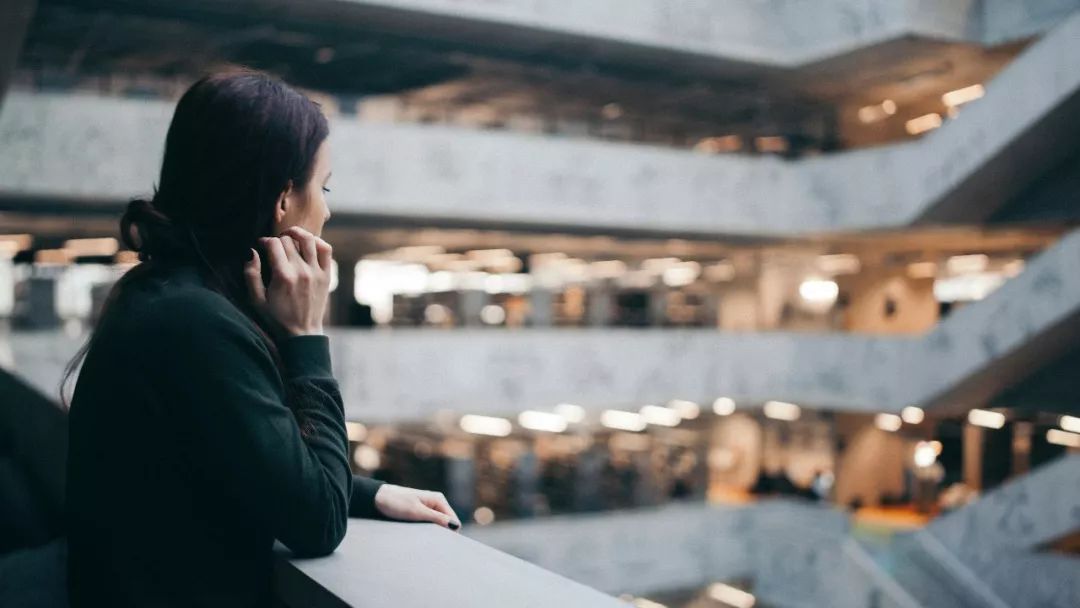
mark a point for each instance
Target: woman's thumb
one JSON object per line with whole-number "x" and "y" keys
{"x": 253, "y": 274}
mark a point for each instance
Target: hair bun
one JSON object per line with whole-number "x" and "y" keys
{"x": 145, "y": 229}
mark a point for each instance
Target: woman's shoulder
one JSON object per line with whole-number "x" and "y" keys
{"x": 181, "y": 303}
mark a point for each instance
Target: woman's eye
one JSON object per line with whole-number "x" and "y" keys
{"x": 326, "y": 190}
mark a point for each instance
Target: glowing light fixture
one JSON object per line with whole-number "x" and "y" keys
{"x": 922, "y": 124}
{"x": 542, "y": 421}
{"x": 1065, "y": 438}
{"x": 660, "y": 416}
{"x": 572, "y": 413}
{"x": 926, "y": 453}
{"x": 780, "y": 410}
{"x": 723, "y": 406}
{"x": 622, "y": 420}
{"x": 888, "y": 422}
{"x": 1070, "y": 423}
{"x": 688, "y": 410}
{"x": 965, "y": 95}
{"x": 355, "y": 430}
{"x": 485, "y": 425}
{"x": 986, "y": 418}
{"x": 483, "y": 516}
{"x": 819, "y": 291}
{"x": 912, "y": 414}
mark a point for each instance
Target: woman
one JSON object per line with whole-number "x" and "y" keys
{"x": 205, "y": 422}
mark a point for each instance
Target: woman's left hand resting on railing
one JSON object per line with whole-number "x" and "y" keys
{"x": 410, "y": 504}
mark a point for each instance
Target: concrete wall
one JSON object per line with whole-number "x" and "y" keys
{"x": 87, "y": 148}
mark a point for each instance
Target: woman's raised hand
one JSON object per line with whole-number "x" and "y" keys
{"x": 410, "y": 504}
{"x": 299, "y": 283}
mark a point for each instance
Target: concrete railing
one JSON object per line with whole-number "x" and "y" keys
{"x": 390, "y": 565}
{"x": 105, "y": 150}
{"x": 403, "y": 374}
{"x": 1001, "y": 537}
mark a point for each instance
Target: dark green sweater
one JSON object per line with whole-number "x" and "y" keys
{"x": 185, "y": 462}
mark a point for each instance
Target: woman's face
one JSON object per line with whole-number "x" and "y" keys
{"x": 306, "y": 207}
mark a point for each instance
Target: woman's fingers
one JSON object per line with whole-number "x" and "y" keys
{"x": 276, "y": 256}
{"x": 253, "y": 274}
{"x": 325, "y": 254}
{"x": 436, "y": 502}
{"x": 306, "y": 243}
{"x": 291, "y": 251}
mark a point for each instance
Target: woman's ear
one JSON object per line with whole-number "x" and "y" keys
{"x": 281, "y": 208}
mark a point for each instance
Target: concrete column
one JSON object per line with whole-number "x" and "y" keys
{"x": 1021, "y": 447}
{"x": 658, "y": 298}
{"x": 541, "y": 308}
{"x": 40, "y": 309}
{"x": 526, "y": 484}
{"x": 470, "y": 303}
{"x": 973, "y": 452}
{"x": 15, "y": 16}
{"x": 342, "y": 299}
{"x": 599, "y": 305}
{"x": 461, "y": 485}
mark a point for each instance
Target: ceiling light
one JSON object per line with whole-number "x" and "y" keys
{"x": 780, "y": 410}
{"x": 1070, "y": 423}
{"x": 572, "y": 413}
{"x": 888, "y": 422}
{"x": 912, "y": 414}
{"x": 965, "y": 95}
{"x": 661, "y": 416}
{"x": 922, "y": 124}
{"x": 688, "y": 410}
{"x": 986, "y": 418}
{"x": 1065, "y": 438}
{"x": 485, "y": 425}
{"x": 542, "y": 421}
{"x": 723, "y": 406}
{"x": 623, "y": 421}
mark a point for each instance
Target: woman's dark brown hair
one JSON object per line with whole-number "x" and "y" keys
{"x": 237, "y": 139}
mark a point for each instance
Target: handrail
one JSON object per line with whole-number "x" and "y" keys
{"x": 389, "y": 564}
{"x": 881, "y": 579}
{"x": 957, "y": 570}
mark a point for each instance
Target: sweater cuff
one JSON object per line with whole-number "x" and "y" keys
{"x": 362, "y": 500}
{"x": 306, "y": 357}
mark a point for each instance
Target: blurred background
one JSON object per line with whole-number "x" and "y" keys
{"x": 702, "y": 303}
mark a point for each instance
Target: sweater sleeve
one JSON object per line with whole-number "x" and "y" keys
{"x": 362, "y": 503}
{"x": 239, "y": 435}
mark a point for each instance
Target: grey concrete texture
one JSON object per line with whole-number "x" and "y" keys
{"x": 794, "y": 552}
{"x": 84, "y": 148}
{"x": 1017, "y": 520}
{"x": 403, "y": 374}
{"x": 389, "y": 565}
{"x": 783, "y": 33}
{"x": 803, "y": 554}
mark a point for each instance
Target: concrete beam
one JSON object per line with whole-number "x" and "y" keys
{"x": 95, "y": 149}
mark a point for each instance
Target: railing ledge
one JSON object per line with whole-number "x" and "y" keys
{"x": 390, "y": 564}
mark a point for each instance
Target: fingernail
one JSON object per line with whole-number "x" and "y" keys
{"x": 454, "y": 525}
